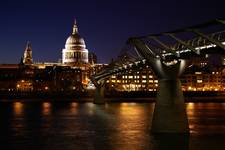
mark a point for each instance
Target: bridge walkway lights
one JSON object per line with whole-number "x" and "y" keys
{"x": 169, "y": 114}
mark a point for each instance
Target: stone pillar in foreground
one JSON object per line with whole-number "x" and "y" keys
{"x": 170, "y": 110}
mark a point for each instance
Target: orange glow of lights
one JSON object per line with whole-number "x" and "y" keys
{"x": 18, "y": 108}
{"x": 73, "y": 107}
{"x": 46, "y": 108}
{"x": 190, "y": 106}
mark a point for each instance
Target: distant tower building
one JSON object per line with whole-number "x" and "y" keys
{"x": 92, "y": 58}
{"x": 27, "y": 56}
{"x": 75, "y": 51}
{"x": 223, "y": 60}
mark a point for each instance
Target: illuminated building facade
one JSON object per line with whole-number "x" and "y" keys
{"x": 21, "y": 78}
{"x": 203, "y": 79}
{"x": 133, "y": 80}
{"x": 197, "y": 77}
{"x": 27, "y": 57}
{"x": 72, "y": 74}
{"x": 76, "y": 55}
{"x": 75, "y": 52}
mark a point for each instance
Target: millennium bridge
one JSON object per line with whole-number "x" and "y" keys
{"x": 168, "y": 54}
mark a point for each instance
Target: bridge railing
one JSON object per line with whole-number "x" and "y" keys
{"x": 200, "y": 41}
{"x": 173, "y": 44}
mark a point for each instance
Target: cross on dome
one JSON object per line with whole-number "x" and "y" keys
{"x": 75, "y": 28}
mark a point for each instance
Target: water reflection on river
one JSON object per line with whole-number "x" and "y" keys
{"x": 114, "y": 126}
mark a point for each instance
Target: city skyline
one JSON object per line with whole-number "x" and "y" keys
{"x": 105, "y": 26}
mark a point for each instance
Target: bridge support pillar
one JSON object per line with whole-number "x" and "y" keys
{"x": 170, "y": 113}
{"x": 99, "y": 94}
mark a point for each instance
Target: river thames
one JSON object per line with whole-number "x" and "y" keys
{"x": 113, "y": 126}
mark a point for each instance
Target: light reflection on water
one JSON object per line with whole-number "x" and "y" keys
{"x": 18, "y": 108}
{"x": 46, "y": 108}
{"x": 47, "y": 125}
{"x": 73, "y": 107}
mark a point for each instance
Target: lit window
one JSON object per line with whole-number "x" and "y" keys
{"x": 150, "y": 81}
{"x": 143, "y": 81}
{"x": 199, "y": 81}
{"x": 143, "y": 77}
{"x": 198, "y": 72}
{"x": 150, "y": 76}
{"x": 130, "y": 77}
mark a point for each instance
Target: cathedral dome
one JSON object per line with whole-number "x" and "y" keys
{"x": 75, "y": 51}
{"x": 75, "y": 39}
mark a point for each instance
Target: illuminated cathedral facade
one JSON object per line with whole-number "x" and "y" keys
{"x": 75, "y": 52}
{"x": 71, "y": 74}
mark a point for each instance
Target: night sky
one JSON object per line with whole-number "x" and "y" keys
{"x": 104, "y": 24}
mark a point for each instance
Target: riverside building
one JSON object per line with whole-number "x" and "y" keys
{"x": 199, "y": 76}
{"x": 73, "y": 73}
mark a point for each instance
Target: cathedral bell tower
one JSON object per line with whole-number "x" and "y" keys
{"x": 27, "y": 56}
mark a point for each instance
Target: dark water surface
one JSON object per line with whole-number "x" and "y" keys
{"x": 114, "y": 126}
